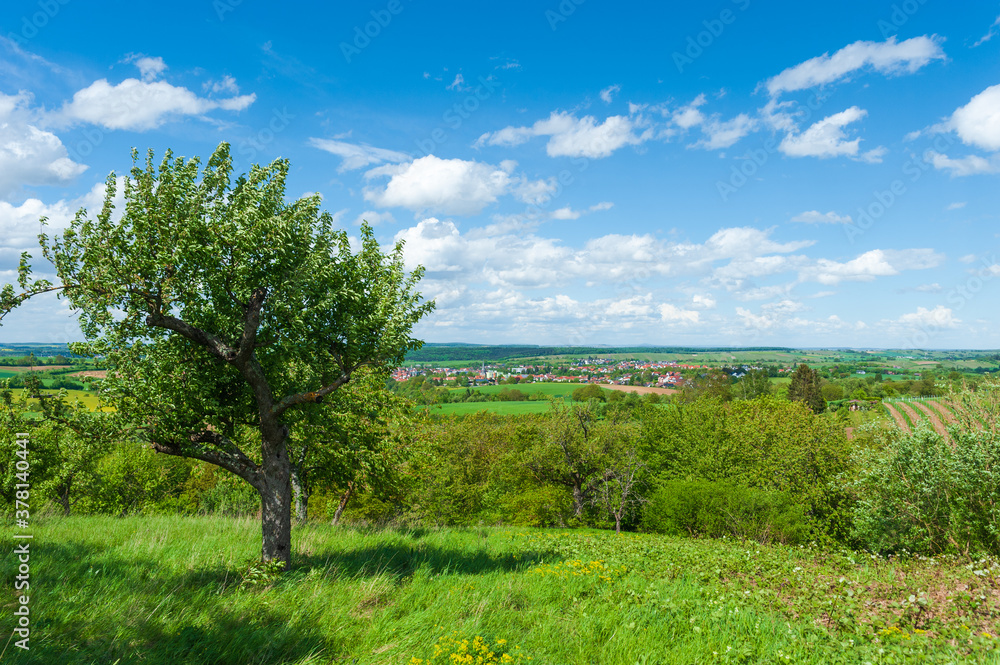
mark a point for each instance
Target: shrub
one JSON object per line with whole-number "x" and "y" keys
{"x": 713, "y": 510}
{"x": 925, "y": 494}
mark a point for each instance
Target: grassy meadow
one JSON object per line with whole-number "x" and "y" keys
{"x": 178, "y": 590}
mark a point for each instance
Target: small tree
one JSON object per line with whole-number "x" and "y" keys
{"x": 207, "y": 298}
{"x": 619, "y": 488}
{"x": 805, "y": 388}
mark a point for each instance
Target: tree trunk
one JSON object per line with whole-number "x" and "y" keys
{"x": 276, "y": 502}
{"x": 63, "y": 500}
{"x": 300, "y": 491}
{"x": 343, "y": 503}
{"x": 577, "y": 501}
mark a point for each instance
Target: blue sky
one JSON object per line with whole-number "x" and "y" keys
{"x": 719, "y": 173}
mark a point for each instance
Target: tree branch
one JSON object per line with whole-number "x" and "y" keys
{"x": 219, "y": 451}
{"x": 211, "y": 342}
{"x": 307, "y": 397}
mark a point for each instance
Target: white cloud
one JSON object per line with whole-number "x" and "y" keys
{"x": 968, "y": 258}
{"x": 989, "y": 33}
{"x": 609, "y": 93}
{"x": 825, "y": 138}
{"x": 978, "y": 122}
{"x": 706, "y": 301}
{"x": 226, "y": 85}
{"x": 673, "y": 314}
{"x": 886, "y": 57}
{"x": 568, "y": 212}
{"x": 957, "y": 205}
{"x": 721, "y": 134}
{"x": 718, "y": 133}
{"x": 150, "y": 68}
{"x": 871, "y": 264}
{"x": 689, "y": 116}
{"x": 358, "y": 156}
{"x": 939, "y": 317}
{"x": 536, "y": 192}
{"x": 29, "y": 155}
{"x": 374, "y": 218}
{"x": 19, "y": 225}
{"x": 970, "y": 165}
{"x": 817, "y": 217}
{"x": 570, "y": 136}
{"x": 141, "y": 105}
{"x": 449, "y": 186}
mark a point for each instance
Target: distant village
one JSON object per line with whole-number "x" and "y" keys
{"x": 664, "y": 374}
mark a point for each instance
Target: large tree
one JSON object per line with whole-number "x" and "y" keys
{"x": 221, "y": 309}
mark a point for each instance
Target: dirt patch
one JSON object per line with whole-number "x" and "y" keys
{"x": 897, "y": 416}
{"x": 95, "y": 373}
{"x": 36, "y": 368}
{"x": 910, "y": 413}
{"x": 642, "y": 390}
{"x": 933, "y": 417}
{"x": 944, "y": 410}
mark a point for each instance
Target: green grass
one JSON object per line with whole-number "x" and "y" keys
{"x": 507, "y": 408}
{"x": 168, "y": 590}
{"x": 552, "y": 389}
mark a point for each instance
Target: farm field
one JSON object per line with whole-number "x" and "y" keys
{"x": 175, "y": 590}
{"x": 550, "y": 389}
{"x": 910, "y": 413}
{"x": 506, "y": 408}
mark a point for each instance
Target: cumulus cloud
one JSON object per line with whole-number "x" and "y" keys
{"x": 705, "y": 301}
{"x": 888, "y": 57}
{"x": 817, "y": 217}
{"x": 448, "y": 186}
{"x": 142, "y": 105}
{"x": 357, "y": 156}
{"x": 963, "y": 166}
{"x": 29, "y": 155}
{"x": 978, "y": 122}
{"x": 150, "y": 68}
{"x": 19, "y": 224}
{"x": 374, "y": 218}
{"x": 871, "y": 264}
{"x": 570, "y": 136}
{"x": 825, "y": 138}
{"x": 939, "y": 317}
{"x": 673, "y": 314}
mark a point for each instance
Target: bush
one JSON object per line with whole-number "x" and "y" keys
{"x": 588, "y": 392}
{"x": 713, "y": 510}
{"x": 924, "y": 494}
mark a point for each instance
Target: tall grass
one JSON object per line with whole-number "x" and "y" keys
{"x": 180, "y": 590}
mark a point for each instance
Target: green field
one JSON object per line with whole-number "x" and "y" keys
{"x": 550, "y": 389}
{"x": 506, "y": 408}
{"x": 177, "y": 590}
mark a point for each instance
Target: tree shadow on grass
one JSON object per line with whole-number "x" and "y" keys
{"x": 401, "y": 561}
{"x": 187, "y": 617}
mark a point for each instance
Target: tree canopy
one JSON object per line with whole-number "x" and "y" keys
{"x": 219, "y": 308}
